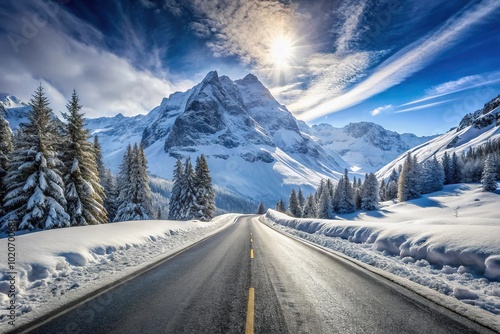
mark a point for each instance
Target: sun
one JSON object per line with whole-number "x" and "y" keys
{"x": 281, "y": 51}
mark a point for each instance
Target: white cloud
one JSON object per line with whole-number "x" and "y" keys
{"x": 409, "y": 60}
{"x": 379, "y": 110}
{"x": 459, "y": 85}
{"x": 106, "y": 83}
{"x": 428, "y": 105}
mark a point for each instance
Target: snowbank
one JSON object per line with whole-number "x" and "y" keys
{"x": 56, "y": 266}
{"x": 457, "y": 256}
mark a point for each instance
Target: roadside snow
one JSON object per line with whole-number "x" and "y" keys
{"x": 57, "y": 266}
{"x": 421, "y": 240}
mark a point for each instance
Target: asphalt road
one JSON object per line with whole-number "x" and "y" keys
{"x": 250, "y": 278}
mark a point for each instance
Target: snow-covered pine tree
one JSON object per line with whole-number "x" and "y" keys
{"x": 330, "y": 187}
{"x": 370, "y": 193}
{"x": 188, "y": 206}
{"x": 110, "y": 187}
{"x": 205, "y": 195}
{"x": 6, "y": 148}
{"x": 310, "y": 209}
{"x": 432, "y": 176}
{"x": 35, "y": 190}
{"x": 325, "y": 206}
{"x": 280, "y": 206}
{"x": 382, "y": 192}
{"x": 488, "y": 180}
{"x": 174, "y": 205}
{"x": 143, "y": 189}
{"x": 456, "y": 168}
{"x": 391, "y": 190}
{"x": 124, "y": 187}
{"x": 345, "y": 202}
{"x": 293, "y": 205}
{"x": 133, "y": 183}
{"x": 261, "y": 209}
{"x": 84, "y": 194}
{"x": 408, "y": 187}
{"x": 357, "y": 197}
{"x": 301, "y": 199}
{"x": 98, "y": 158}
{"x": 319, "y": 191}
{"x": 447, "y": 168}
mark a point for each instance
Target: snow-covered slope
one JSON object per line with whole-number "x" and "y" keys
{"x": 474, "y": 130}
{"x": 366, "y": 146}
{"x": 253, "y": 144}
{"x": 16, "y": 111}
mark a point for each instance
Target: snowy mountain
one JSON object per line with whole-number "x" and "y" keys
{"x": 474, "y": 130}
{"x": 366, "y": 146}
{"x": 16, "y": 111}
{"x": 253, "y": 144}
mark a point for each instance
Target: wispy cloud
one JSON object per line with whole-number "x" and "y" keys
{"x": 428, "y": 105}
{"x": 459, "y": 85}
{"x": 409, "y": 60}
{"x": 107, "y": 83}
{"x": 379, "y": 110}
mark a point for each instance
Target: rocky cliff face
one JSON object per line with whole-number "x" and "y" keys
{"x": 489, "y": 114}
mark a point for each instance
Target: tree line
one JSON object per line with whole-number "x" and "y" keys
{"x": 53, "y": 176}
{"x": 412, "y": 179}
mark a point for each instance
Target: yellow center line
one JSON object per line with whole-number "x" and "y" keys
{"x": 251, "y": 253}
{"x": 251, "y": 240}
{"x": 250, "y": 311}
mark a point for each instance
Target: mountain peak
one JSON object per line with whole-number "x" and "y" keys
{"x": 250, "y": 80}
{"x": 212, "y": 76}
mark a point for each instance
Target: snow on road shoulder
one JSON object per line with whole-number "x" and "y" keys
{"x": 57, "y": 266}
{"x": 457, "y": 256}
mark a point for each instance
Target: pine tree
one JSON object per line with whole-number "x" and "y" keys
{"x": 174, "y": 205}
{"x": 408, "y": 180}
{"x": 110, "y": 187}
{"x": 98, "y": 158}
{"x": 280, "y": 206}
{"x": 301, "y": 199}
{"x": 261, "y": 209}
{"x": 324, "y": 206}
{"x": 357, "y": 198}
{"x": 294, "y": 205}
{"x": 370, "y": 193}
{"x": 310, "y": 210}
{"x": 35, "y": 190}
{"x": 84, "y": 194}
{"x": 133, "y": 183}
{"x": 382, "y": 192}
{"x": 488, "y": 179}
{"x": 188, "y": 193}
{"x": 344, "y": 195}
{"x": 432, "y": 176}
{"x": 6, "y": 148}
{"x": 456, "y": 169}
{"x": 392, "y": 190}
{"x": 447, "y": 168}
{"x": 319, "y": 191}
{"x": 143, "y": 189}
{"x": 205, "y": 196}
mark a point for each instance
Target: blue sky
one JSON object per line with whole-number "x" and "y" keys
{"x": 411, "y": 66}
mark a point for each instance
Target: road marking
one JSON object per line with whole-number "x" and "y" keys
{"x": 251, "y": 253}
{"x": 250, "y": 311}
{"x": 251, "y": 240}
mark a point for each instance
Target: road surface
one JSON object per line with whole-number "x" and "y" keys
{"x": 251, "y": 279}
